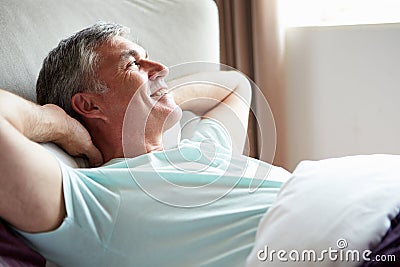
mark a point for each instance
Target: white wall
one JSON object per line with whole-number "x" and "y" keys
{"x": 342, "y": 91}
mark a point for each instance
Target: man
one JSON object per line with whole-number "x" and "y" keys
{"x": 105, "y": 99}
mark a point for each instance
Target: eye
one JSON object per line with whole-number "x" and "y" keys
{"x": 132, "y": 63}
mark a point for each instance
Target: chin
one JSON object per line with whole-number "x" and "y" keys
{"x": 173, "y": 118}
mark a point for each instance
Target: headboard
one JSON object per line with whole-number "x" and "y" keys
{"x": 173, "y": 32}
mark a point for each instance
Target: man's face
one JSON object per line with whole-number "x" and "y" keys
{"x": 127, "y": 71}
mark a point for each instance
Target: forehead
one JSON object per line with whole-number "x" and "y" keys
{"x": 120, "y": 48}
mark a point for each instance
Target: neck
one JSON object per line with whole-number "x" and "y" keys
{"x": 112, "y": 144}
{"x": 106, "y": 142}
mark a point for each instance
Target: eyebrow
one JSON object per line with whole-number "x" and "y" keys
{"x": 132, "y": 53}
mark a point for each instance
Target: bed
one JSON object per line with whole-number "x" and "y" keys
{"x": 344, "y": 204}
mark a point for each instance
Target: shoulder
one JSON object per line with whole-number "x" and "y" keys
{"x": 211, "y": 132}
{"x": 211, "y": 128}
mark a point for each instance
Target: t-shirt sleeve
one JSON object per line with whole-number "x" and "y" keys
{"x": 91, "y": 209}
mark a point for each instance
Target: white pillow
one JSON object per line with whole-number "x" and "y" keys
{"x": 73, "y": 162}
{"x": 171, "y": 138}
{"x": 343, "y": 204}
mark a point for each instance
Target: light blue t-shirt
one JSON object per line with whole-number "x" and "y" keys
{"x": 193, "y": 205}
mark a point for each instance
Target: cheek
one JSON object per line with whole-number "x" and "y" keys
{"x": 135, "y": 80}
{"x": 114, "y": 106}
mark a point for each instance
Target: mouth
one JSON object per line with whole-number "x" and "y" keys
{"x": 160, "y": 92}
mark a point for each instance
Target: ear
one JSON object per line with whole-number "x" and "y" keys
{"x": 85, "y": 104}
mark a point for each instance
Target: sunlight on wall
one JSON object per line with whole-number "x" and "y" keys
{"x": 294, "y": 13}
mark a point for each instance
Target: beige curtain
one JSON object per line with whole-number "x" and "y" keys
{"x": 251, "y": 41}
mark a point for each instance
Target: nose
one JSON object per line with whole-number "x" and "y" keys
{"x": 154, "y": 69}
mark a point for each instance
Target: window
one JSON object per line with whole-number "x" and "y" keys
{"x": 295, "y": 13}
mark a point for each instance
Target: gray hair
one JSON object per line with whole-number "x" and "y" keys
{"x": 72, "y": 66}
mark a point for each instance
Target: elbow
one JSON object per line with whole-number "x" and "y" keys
{"x": 244, "y": 88}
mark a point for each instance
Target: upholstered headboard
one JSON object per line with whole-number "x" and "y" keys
{"x": 173, "y": 32}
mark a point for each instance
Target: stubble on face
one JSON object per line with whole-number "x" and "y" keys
{"x": 130, "y": 104}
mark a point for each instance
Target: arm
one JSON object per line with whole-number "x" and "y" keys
{"x": 31, "y": 195}
{"x": 224, "y": 96}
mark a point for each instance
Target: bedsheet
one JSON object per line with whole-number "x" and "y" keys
{"x": 388, "y": 250}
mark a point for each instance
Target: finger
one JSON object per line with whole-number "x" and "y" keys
{"x": 94, "y": 156}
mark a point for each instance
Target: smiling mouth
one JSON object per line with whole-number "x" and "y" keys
{"x": 159, "y": 92}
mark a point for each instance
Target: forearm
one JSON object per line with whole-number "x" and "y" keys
{"x": 223, "y": 96}
{"x": 37, "y": 123}
{"x": 202, "y": 92}
{"x": 48, "y": 123}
